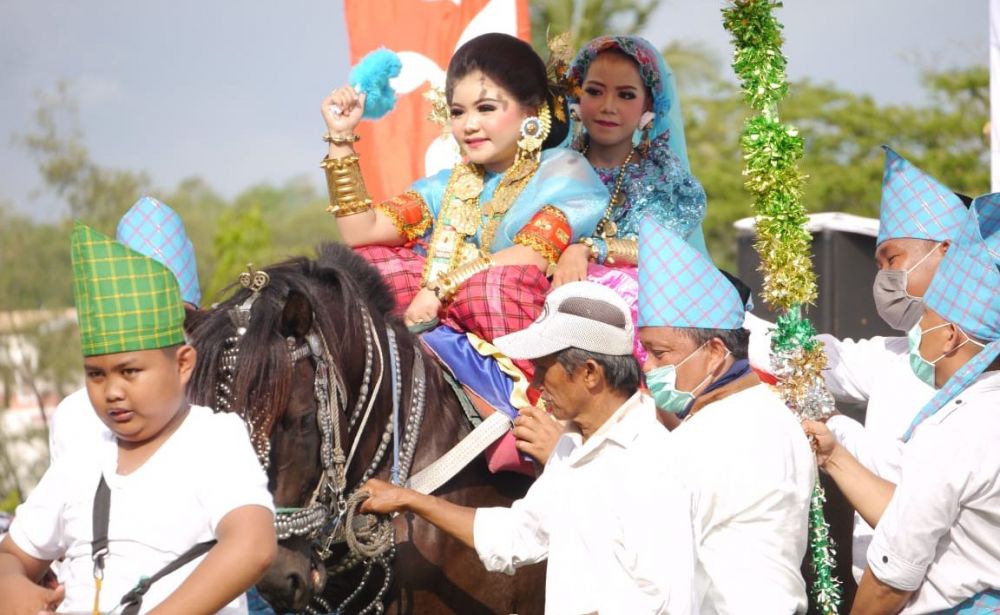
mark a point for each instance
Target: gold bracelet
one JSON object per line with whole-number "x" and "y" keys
{"x": 351, "y": 138}
{"x": 592, "y": 251}
{"x": 623, "y": 251}
{"x": 447, "y": 284}
{"x": 348, "y": 195}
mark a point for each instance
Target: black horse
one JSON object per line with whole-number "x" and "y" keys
{"x": 310, "y": 354}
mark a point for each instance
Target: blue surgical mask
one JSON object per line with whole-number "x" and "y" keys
{"x": 662, "y": 383}
{"x": 922, "y": 368}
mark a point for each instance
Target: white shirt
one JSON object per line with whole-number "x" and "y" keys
{"x": 940, "y": 534}
{"x": 176, "y": 499}
{"x": 74, "y": 423}
{"x": 609, "y": 517}
{"x": 875, "y": 371}
{"x": 751, "y": 472}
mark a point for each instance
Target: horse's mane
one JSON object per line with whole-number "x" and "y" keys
{"x": 332, "y": 284}
{"x": 353, "y": 267}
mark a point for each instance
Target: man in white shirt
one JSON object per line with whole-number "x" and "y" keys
{"x": 918, "y": 219}
{"x": 155, "y": 230}
{"x": 740, "y": 451}
{"x": 936, "y": 547}
{"x": 606, "y": 513}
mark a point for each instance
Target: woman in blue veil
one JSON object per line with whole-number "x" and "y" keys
{"x": 632, "y": 132}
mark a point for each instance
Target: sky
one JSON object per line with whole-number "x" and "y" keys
{"x": 229, "y": 90}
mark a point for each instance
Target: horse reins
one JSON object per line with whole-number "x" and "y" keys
{"x": 323, "y": 518}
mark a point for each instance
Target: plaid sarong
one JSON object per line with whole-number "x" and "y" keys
{"x": 491, "y": 304}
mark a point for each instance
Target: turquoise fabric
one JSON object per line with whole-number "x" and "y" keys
{"x": 564, "y": 180}
{"x": 914, "y": 204}
{"x": 679, "y": 287}
{"x": 983, "y": 603}
{"x": 662, "y": 185}
{"x": 965, "y": 291}
{"x": 152, "y": 228}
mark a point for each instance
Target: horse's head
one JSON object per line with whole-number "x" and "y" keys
{"x": 275, "y": 353}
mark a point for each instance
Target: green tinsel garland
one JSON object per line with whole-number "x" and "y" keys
{"x": 771, "y": 152}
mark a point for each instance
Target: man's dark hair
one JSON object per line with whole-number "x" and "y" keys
{"x": 621, "y": 372}
{"x": 736, "y": 340}
{"x": 740, "y": 286}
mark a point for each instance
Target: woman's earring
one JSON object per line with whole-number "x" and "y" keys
{"x": 534, "y": 130}
{"x": 646, "y": 124}
{"x": 577, "y": 126}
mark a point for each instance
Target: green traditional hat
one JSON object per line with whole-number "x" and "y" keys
{"x": 124, "y": 301}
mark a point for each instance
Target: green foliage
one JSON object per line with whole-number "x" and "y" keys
{"x": 91, "y": 191}
{"x": 11, "y": 501}
{"x": 843, "y": 132}
{"x": 586, "y": 19}
{"x": 34, "y": 262}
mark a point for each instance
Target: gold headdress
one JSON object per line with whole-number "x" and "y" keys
{"x": 439, "y": 114}
{"x": 557, "y": 71}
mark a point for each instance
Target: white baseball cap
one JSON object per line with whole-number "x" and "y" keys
{"x": 582, "y": 315}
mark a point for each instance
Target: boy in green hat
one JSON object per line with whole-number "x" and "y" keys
{"x": 171, "y": 485}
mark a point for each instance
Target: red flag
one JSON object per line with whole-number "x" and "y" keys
{"x": 425, "y": 34}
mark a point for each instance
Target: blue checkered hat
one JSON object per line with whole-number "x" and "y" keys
{"x": 988, "y": 209}
{"x": 679, "y": 287}
{"x": 153, "y": 229}
{"x": 966, "y": 291}
{"x": 915, "y": 205}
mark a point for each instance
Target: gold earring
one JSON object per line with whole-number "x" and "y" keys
{"x": 644, "y": 143}
{"x": 534, "y": 130}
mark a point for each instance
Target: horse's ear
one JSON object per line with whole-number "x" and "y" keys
{"x": 193, "y": 318}
{"x": 297, "y": 316}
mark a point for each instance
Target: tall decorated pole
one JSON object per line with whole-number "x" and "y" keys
{"x": 771, "y": 151}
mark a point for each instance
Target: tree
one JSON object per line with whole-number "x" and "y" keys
{"x": 843, "y": 132}
{"x": 93, "y": 193}
{"x": 34, "y": 262}
{"x": 587, "y": 19}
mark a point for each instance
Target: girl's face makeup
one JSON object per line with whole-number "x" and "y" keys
{"x": 486, "y": 121}
{"x": 613, "y": 99}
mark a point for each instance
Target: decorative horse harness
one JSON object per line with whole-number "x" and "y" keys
{"x": 330, "y": 516}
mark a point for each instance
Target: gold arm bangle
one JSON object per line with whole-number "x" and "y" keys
{"x": 349, "y": 139}
{"x": 447, "y": 284}
{"x": 348, "y": 195}
{"x": 622, "y": 251}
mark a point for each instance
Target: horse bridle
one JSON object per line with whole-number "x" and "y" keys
{"x": 321, "y": 519}
{"x": 329, "y": 494}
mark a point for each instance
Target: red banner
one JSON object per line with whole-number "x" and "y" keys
{"x": 404, "y": 145}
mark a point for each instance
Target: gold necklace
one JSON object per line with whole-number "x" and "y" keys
{"x": 462, "y": 214}
{"x": 607, "y": 227}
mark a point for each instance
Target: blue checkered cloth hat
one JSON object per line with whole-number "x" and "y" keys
{"x": 988, "y": 209}
{"x": 915, "y": 205}
{"x": 153, "y": 229}
{"x": 679, "y": 287}
{"x": 965, "y": 291}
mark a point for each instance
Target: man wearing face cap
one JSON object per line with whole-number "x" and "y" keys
{"x": 936, "y": 547}
{"x": 607, "y": 513}
{"x": 155, "y": 230}
{"x": 918, "y": 220}
{"x": 740, "y": 451}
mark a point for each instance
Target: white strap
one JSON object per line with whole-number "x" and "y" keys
{"x": 451, "y": 463}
